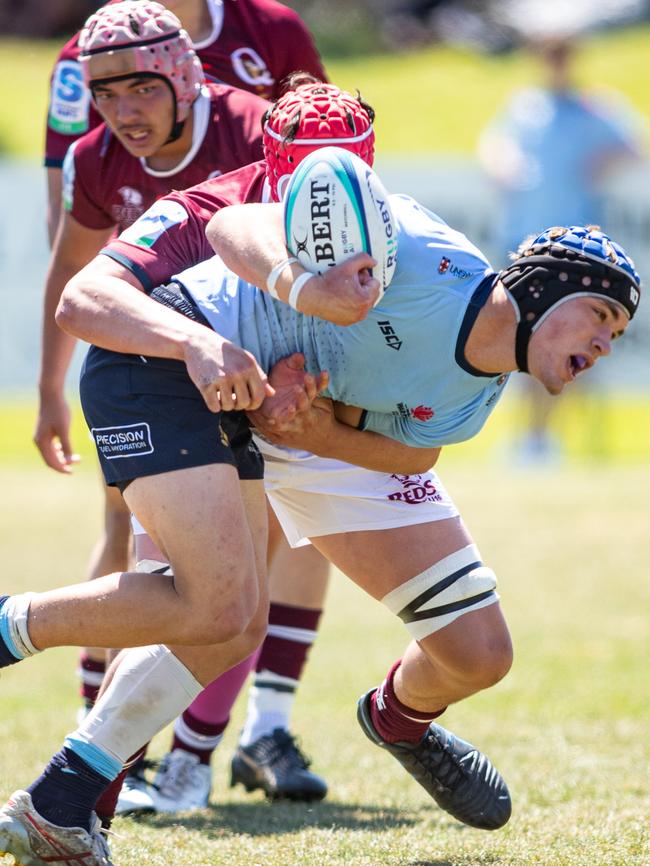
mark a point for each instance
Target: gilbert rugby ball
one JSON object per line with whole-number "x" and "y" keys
{"x": 336, "y": 206}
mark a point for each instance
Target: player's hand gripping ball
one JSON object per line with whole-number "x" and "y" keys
{"x": 336, "y": 206}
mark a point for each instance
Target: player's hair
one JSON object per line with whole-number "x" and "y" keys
{"x": 563, "y": 263}
{"x": 136, "y": 38}
{"x": 311, "y": 114}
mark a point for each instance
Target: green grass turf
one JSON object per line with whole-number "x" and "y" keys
{"x": 436, "y": 99}
{"x": 568, "y": 727}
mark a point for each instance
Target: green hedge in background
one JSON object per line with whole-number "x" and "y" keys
{"x": 433, "y": 100}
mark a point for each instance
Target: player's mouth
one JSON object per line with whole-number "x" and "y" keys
{"x": 578, "y": 364}
{"x": 137, "y": 136}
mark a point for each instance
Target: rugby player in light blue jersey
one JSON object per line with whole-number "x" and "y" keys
{"x": 155, "y": 404}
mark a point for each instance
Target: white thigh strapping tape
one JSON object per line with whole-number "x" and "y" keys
{"x": 451, "y": 587}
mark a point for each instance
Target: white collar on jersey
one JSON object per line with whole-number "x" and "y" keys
{"x": 215, "y": 8}
{"x": 266, "y": 192}
{"x": 201, "y": 114}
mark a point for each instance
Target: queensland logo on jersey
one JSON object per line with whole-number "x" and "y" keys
{"x": 250, "y": 67}
{"x": 162, "y": 216}
{"x": 414, "y": 490}
{"x": 131, "y": 207}
{"x": 443, "y": 267}
{"x": 420, "y": 413}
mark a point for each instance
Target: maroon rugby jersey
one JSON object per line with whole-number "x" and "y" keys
{"x": 170, "y": 237}
{"x": 104, "y": 185}
{"x": 254, "y": 45}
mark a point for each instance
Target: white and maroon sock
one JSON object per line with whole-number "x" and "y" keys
{"x": 196, "y": 736}
{"x": 91, "y": 675}
{"x": 291, "y": 633}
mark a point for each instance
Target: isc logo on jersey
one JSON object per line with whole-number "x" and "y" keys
{"x": 336, "y": 206}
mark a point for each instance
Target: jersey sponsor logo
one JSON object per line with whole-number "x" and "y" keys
{"x": 162, "y": 216}
{"x": 69, "y": 100}
{"x": 250, "y": 67}
{"x": 390, "y": 337}
{"x": 415, "y": 490}
{"x": 446, "y": 267}
{"x": 127, "y": 440}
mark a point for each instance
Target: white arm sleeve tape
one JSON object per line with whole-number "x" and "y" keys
{"x": 455, "y": 585}
{"x": 297, "y": 287}
{"x": 274, "y": 275}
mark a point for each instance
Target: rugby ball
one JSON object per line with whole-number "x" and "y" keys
{"x": 336, "y": 206}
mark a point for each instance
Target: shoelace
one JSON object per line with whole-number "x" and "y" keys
{"x": 449, "y": 768}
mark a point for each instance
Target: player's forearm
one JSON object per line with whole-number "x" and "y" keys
{"x": 54, "y": 185}
{"x": 56, "y": 347}
{"x": 112, "y": 314}
{"x": 374, "y": 451}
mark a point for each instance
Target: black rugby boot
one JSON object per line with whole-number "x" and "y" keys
{"x": 275, "y": 764}
{"x": 460, "y": 779}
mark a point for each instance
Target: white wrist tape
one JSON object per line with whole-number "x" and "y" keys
{"x": 274, "y": 275}
{"x": 297, "y": 287}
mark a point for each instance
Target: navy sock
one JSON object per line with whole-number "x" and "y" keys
{"x": 6, "y": 656}
{"x": 66, "y": 793}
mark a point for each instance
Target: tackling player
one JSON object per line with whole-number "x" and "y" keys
{"x": 249, "y": 44}
{"x": 486, "y": 324}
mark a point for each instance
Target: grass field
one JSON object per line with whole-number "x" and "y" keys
{"x": 437, "y": 99}
{"x": 568, "y": 727}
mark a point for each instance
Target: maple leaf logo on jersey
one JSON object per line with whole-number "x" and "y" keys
{"x": 423, "y": 413}
{"x": 443, "y": 267}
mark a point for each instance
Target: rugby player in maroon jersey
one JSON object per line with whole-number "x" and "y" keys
{"x": 164, "y": 127}
{"x": 250, "y": 44}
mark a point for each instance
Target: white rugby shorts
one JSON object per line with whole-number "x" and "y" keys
{"x": 314, "y": 496}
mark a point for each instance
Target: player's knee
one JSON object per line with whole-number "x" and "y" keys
{"x": 451, "y": 588}
{"x": 486, "y": 663}
{"x": 222, "y": 620}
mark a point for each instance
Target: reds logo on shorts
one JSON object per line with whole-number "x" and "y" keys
{"x": 414, "y": 490}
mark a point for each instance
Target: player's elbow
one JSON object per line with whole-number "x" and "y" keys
{"x": 69, "y": 308}
{"x": 216, "y": 232}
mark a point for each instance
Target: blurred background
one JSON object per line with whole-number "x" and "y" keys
{"x": 503, "y": 116}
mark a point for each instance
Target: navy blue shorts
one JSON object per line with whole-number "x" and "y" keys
{"x": 146, "y": 417}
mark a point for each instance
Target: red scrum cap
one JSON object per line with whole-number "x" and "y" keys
{"x": 311, "y": 116}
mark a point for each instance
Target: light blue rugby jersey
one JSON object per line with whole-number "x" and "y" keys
{"x": 404, "y": 364}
